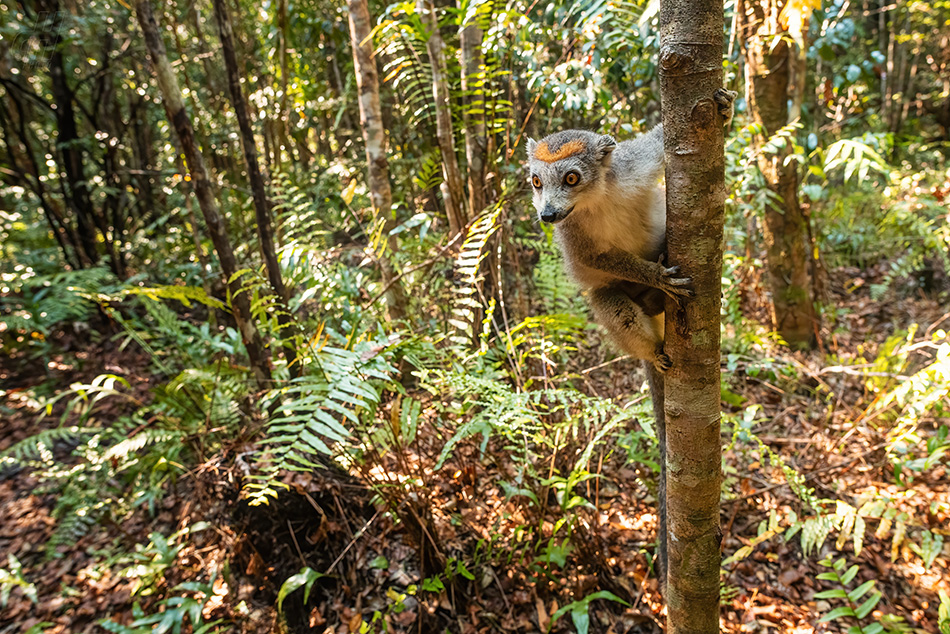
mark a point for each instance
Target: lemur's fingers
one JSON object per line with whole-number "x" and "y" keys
{"x": 663, "y": 362}
{"x": 680, "y": 291}
{"x": 670, "y": 272}
{"x": 678, "y": 281}
{"x": 725, "y": 100}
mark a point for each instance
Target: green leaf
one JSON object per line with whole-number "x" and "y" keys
{"x": 860, "y": 591}
{"x": 865, "y": 608}
{"x": 306, "y": 577}
{"x": 581, "y": 618}
{"x": 837, "y": 613}
{"x": 837, "y": 593}
{"x": 849, "y": 575}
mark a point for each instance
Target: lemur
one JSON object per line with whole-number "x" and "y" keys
{"x": 608, "y": 209}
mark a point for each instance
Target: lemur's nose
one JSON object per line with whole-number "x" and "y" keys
{"x": 548, "y": 215}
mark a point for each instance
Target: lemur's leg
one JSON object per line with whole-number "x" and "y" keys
{"x": 635, "y": 332}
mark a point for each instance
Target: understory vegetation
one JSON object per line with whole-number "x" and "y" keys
{"x": 445, "y": 440}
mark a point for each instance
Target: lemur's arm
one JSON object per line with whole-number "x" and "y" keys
{"x": 631, "y": 268}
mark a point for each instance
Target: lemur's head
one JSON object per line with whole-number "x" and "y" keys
{"x": 566, "y": 169}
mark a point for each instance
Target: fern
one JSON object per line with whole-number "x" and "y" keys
{"x": 320, "y": 415}
{"x": 429, "y": 174}
{"x": 467, "y": 273}
{"x": 522, "y": 419}
{"x": 183, "y": 294}
{"x": 402, "y": 38}
{"x": 37, "y": 449}
{"x": 36, "y": 305}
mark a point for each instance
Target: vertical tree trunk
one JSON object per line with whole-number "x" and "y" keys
{"x": 374, "y": 136}
{"x": 67, "y": 136}
{"x": 786, "y": 230}
{"x": 473, "y": 79}
{"x": 262, "y": 209}
{"x": 691, "y": 48}
{"x": 283, "y": 119}
{"x": 13, "y": 117}
{"x": 798, "y": 77}
{"x": 452, "y": 187}
{"x": 174, "y": 105}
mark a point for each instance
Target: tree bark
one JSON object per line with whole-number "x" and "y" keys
{"x": 283, "y": 118}
{"x": 69, "y": 147}
{"x": 174, "y": 105}
{"x": 473, "y": 87}
{"x": 374, "y": 137}
{"x": 452, "y": 186}
{"x": 691, "y": 48}
{"x": 262, "y": 208}
{"x": 786, "y": 230}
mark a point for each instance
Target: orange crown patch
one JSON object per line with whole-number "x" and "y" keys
{"x": 544, "y": 153}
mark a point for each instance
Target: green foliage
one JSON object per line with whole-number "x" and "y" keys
{"x": 33, "y": 305}
{"x": 515, "y": 417}
{"x": 149, "y": 562}
{"x": 175, "y": 612}
{"x": 305, "y": 579}
{"x": 944, "y": 613}
{"x": 110, "y": 470}
{"x": 12, "y": 577}
{"x": 857, "y": 157}
{"x": 320, "y": 414}
{"x": 580, "y": 610}
{"x": 473, "y": 251}
{"x": 825, "y": 517}
{"x": 857, "y": 607}
{"x": 911, "y": 401}
{"x": 500, "y": 352}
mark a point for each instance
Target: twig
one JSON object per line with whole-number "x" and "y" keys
{"x": 356, "y": 537}
{"x": 812, "y": 474}
{"x": 293, "y": 536}
{"x": 416, "y": 267}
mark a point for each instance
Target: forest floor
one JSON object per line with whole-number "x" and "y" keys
{"x": 335, "y": 525}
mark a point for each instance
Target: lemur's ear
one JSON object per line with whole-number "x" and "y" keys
{"x": 532, "y": 145}
{"x": 604, "y": 146}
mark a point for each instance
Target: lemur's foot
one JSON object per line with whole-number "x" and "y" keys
{"x": 662, "y": 362}
{"x": 725, "y": 102}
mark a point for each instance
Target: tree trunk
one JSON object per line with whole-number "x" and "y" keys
{"x": 374, "y": 136}
{"x": 69, "y": 147}
{"x": 473, "y": 79}
{"x": 174, "y": 105}
{"x": 798, "y": 78}
{"x": 690, "y": 73}
{"x": 786, "y": 231}
{"x": 262, "y": 208}
{"x": 283, "y": 119}
{"x": 13, "y": 118}
{"x": 452, "y": 187}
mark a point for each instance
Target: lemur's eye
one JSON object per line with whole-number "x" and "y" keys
{"x": 572, "y": 178}
{"x": 536, "y": 182}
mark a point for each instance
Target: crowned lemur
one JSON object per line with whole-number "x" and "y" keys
{"x": 608, "y": 208}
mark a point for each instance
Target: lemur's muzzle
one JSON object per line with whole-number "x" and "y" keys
{"x": 551, "y": 215}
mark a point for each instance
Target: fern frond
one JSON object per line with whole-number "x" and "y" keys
{"x": 320, "y": 416}
{"x": 39, "y": 446}
{"x": 467, "y": 266}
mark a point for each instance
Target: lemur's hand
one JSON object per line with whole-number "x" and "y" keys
{"x": 672, "y": 283}
{"x": 725, "y": 101}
